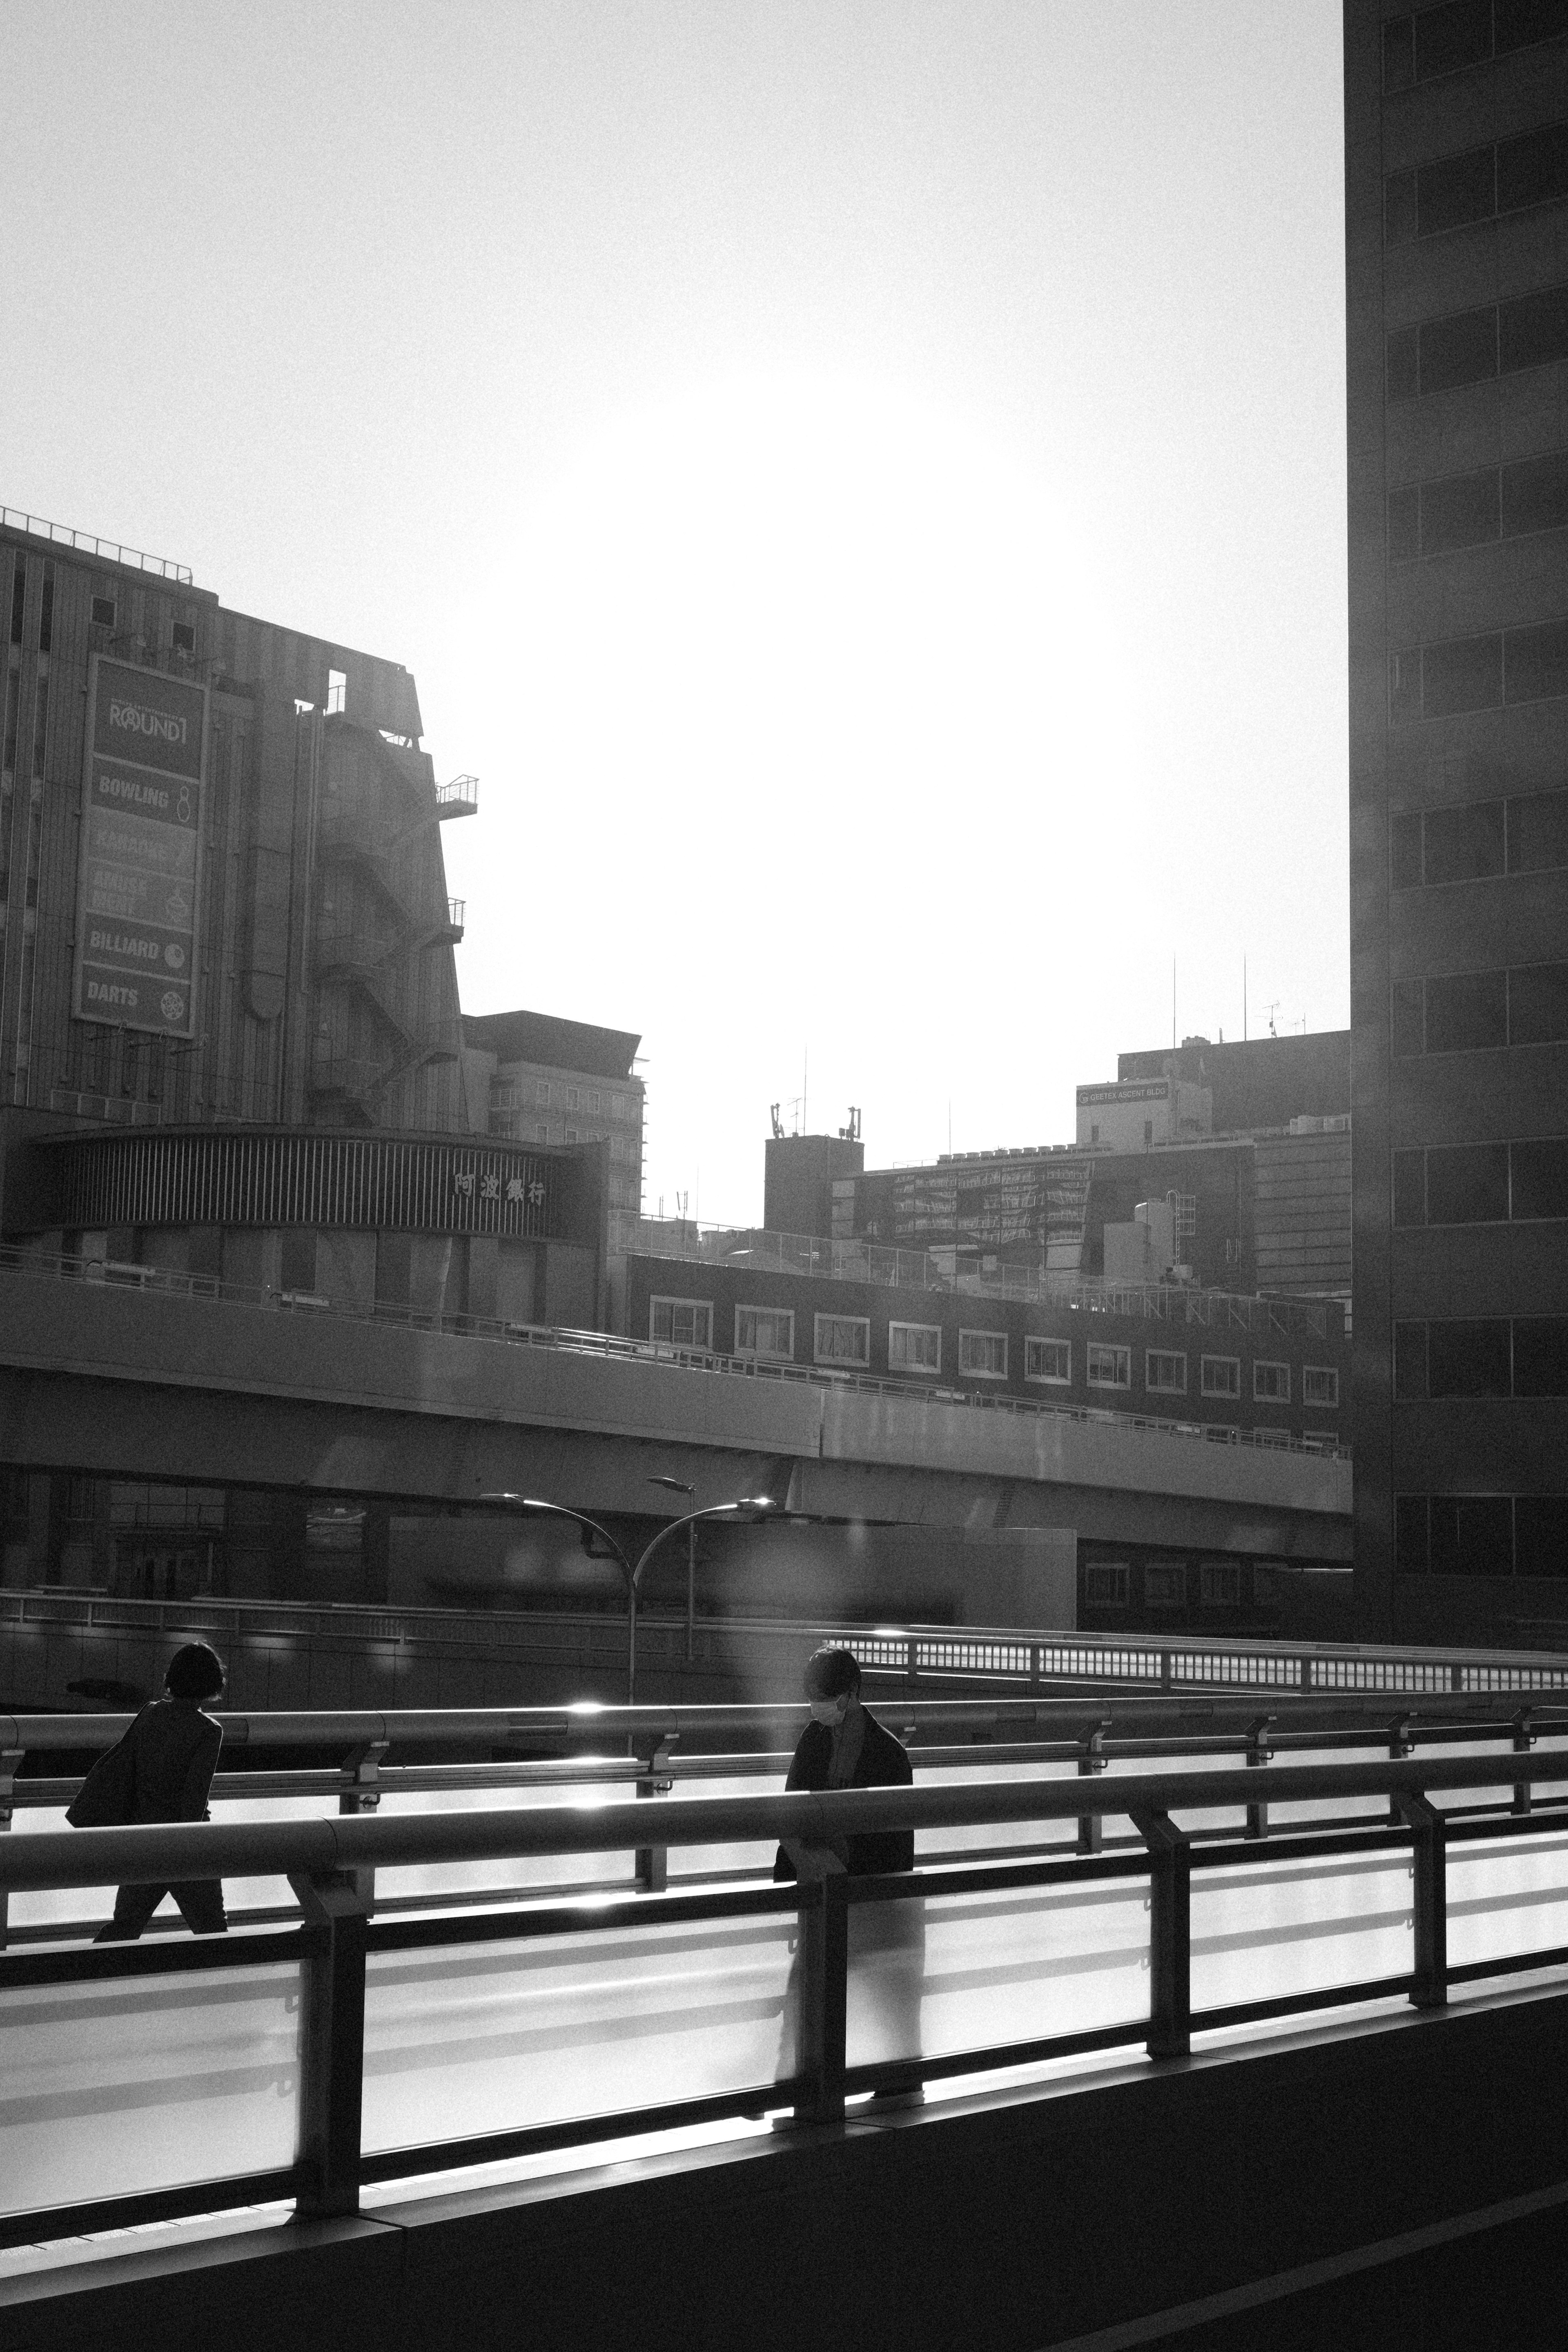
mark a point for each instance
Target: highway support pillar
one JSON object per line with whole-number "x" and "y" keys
{"x": 331, "y": 2043}
{"x": 1170, "y": 1935}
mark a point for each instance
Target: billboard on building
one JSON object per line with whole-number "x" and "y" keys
{"x": 138, "y": 893}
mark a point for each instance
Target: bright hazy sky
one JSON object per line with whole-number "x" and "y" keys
{"x": 861, "y": 482}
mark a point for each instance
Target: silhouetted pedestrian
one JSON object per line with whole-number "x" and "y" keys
{"x": 162, "y": 1770}
{"x": 845, "y": 1746}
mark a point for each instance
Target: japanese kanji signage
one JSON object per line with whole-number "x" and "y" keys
{"x": 492, "y": 1194}
{"x": 139, "y": 890}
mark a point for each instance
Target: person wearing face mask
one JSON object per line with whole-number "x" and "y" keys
{"x": 845, "y": 1746}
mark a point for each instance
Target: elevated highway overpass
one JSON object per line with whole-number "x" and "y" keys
{"x": 166, "y": 1377}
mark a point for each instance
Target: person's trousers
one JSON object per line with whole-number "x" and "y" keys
{"x": 200, "y": 1901}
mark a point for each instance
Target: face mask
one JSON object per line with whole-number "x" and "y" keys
{"x": 828, "y": 1710}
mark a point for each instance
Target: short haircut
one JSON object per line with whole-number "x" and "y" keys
{"x": 195, "y": 1671}
{"x": 830, "y": 1672}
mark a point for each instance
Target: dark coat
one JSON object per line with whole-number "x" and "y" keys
{"x": 160, "y": 1769}
{"x": 881, "y": 1764}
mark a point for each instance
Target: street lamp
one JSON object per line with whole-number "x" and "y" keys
{"x": 680, "y": 1487}
{"x": 758, "y": 1506}
{"x": 533, "y": 1507}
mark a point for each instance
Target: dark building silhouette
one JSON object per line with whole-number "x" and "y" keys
{"x": 1456, "y": 227}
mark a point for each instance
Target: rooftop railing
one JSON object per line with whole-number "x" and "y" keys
{"x": 963, "y": 1271}
{"x": 107, "y": 550}
{"x": 311, "y": 2061}
{"x": 21, "y": 1260}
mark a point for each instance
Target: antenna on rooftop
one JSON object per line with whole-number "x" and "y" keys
{"x": 1272, "y": 1011}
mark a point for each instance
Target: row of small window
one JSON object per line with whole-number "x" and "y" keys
{"x": 1470, "y": 509}
{"x": 1459, "y": 674}
{"x": 1480, "y": 185}
{"x": 1444, "y": 41}
{"x": 1477, "y": 1011}
{"x": 102, "y": 609}
{"x": 1481, "y": 1183}
{"x": 769, "y": 1332}
{"x": 1482, "y": 1357}
{"x": 1108, "y": 1585}
{"x": 1469, "y": 346}
{"x": 507, "y": 1095}
{"x": 1480, "y": 1534}
{"x": 1478, "y": 840}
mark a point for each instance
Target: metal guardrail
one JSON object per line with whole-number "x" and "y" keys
{"x": 110, "y": 551}
{"x": 339, "y": 1954}
{"x": 960, "y": 1272}
{"x": 18, "y": 1259}
{"x": 1025, "y": 1658}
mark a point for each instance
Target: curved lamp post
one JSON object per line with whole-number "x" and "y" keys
{"x": 529, "y": 1506}
{"x": 756, "y": 1505}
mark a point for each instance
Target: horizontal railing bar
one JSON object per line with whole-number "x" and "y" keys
{"x": 231, "y": 2195}
{"x": 589, "y": 1914}
{"x": 1513, "y": 1964}
{"x": 1289, "y": 2004}
{"x": 154, "y": 1854}
{"x": 994, "y": 2058}
{"x": 39, "y": 1734}
{"x": 577, "y": 2131}
{"x": 324, "y": 1780}
{"x": 1311, "y": 1844}
{"x": 995, "y": 1877}
{"x": 252, "y": 1948}
{"x": 1470, "y": 1828}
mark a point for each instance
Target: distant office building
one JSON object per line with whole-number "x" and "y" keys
{"x": 533, "y": 1080}
{"x": 1457, "y": 225}
{"x": 231, "y": 1047}
{"x": 1256, "y": 1082}
{"x": 222, "y": 889}
{"x": 1271, "y": 1371}
{"x": 809, "y": 1182}
{"x": 1135, "y": 1114}
{"x": 1262, "y": 1205}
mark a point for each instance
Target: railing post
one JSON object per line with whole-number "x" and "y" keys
{"x": 1092, "y": 1826}
{"x": 823, "y": 1989}
{"x": 10, "y": 1765}
{"x": 1429, "y": 1836}
{"x": 1401, "y": 1744}
{"x": 1257, "y": 1755}
{"x": 651, "y": 1869}
{"x": 332, "y": 2044}
{"x": 360, "y": 1793}
{"x": 1170, "y": 1935}
{"x": 1523, "y": 1740}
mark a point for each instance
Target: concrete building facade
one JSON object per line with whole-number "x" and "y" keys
{"x": 534, "y": 1079}
{"x": 1456, "y": 224}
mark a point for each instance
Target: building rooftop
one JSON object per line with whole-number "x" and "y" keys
{"x": 554, "y": 1043}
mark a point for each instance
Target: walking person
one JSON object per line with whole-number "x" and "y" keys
{"x": 845, "y": 1746}
{"x": 160, "y": 1769}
